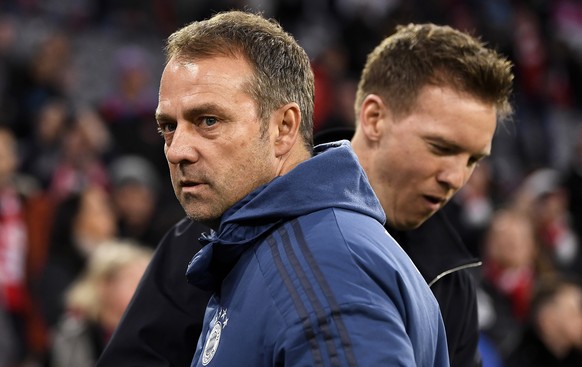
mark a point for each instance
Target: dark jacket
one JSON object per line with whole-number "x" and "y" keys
{"x": 159, "y": 326}
{"x": 304, "y": 275}
{"x": 164, "y": 318}
{"x": 439, "y": 254}
{"x": 142, "y": 336}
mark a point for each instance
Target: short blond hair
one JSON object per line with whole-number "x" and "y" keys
{"x": 417, "y": 55}
{"x": 282, "y": 69}
{"x": 107, "y": 260}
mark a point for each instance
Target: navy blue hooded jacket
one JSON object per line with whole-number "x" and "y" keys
{"x": 306, "y": 275}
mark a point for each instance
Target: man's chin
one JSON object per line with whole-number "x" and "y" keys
{"x": 211, "y": 222}
{"x": 408, "y": 225}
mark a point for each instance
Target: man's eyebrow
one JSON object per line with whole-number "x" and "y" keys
{"x": 203, "y": 109}
{"x": 456, "y": 147}
{"x": 440, "y": 140}
{"x": 160, "y": 116}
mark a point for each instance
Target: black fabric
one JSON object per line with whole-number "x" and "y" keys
{"x": 340, "y": 133}
{"x": 164, "y": 319}
{"x": 436, "y": 249}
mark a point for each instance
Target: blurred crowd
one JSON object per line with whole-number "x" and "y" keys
{"x": 82, "y": 169}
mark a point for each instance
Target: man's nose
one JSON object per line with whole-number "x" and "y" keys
{"x": 455, "y": 174}
{"x": 181, "y": 148}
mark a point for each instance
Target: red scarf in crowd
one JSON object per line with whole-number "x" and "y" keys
{"x": 13, "y": 248}
{"x": 516, "y": 284}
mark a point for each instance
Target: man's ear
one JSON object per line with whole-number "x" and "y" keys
{"x": 373, "y": 113}
{"x": 288, "y": 120}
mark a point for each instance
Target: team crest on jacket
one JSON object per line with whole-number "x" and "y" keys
{"x": 213, "y": 340}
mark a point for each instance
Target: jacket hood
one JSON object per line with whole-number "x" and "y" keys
{"x": 309, "y": 187}
{"x": 332, "y": 178}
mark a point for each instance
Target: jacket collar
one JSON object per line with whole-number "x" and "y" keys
{"x": 332, "y": 178}
{"x": 436, "y": 248}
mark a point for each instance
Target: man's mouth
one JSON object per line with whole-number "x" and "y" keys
{"x": 187, "y": 183}
{"x": 190, "y": 185}
{"x": 436, "y": 201}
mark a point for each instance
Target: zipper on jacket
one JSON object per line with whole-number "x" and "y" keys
{"x": 466, "y": 266}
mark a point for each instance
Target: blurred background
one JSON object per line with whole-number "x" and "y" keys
{"x": 81, "y": 164}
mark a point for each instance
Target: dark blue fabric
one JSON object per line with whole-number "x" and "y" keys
{"x": 304, "y": 274}
{"x": 334, "y": 179}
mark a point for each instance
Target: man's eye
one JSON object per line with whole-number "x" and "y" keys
{"x": 164, "y": 129}
{"x": 209, "y": 121}
{"x": 439, "y": 149}
{"x": 475, "y": 161}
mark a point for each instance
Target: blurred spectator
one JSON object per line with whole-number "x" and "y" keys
{"x": 334, "y": 91}
{"x": 45, "y": 76}
{"x": 80, "y": 163}
{"x": 9, "y": 70}
{"x": 129, "y": 107}
{"x": 335, "y": 102}
{"x": 96, "y": 301}
{"x": 133, "y": 95}
{"x": 24, "y": 213}
{"x": 99, "y": 137}
{"x": 546, "y": 199}
{"x": 42, "y": 148}
{"x": 554, "y": 333}
{"x": 81, "y": 223}
{"x": 472, "y": 207}
{"x": 13, "y": 245}
{"x": 511, "y": 265}
{"x": 136, "y": 190}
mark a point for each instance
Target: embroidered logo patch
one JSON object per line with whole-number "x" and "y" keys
{"x": 211, "y": 345}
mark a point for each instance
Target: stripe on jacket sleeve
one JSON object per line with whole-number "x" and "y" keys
{"x": 335, "y": 309}
{"x": 320, "y": 313}
{"x": 303, "y": 314}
